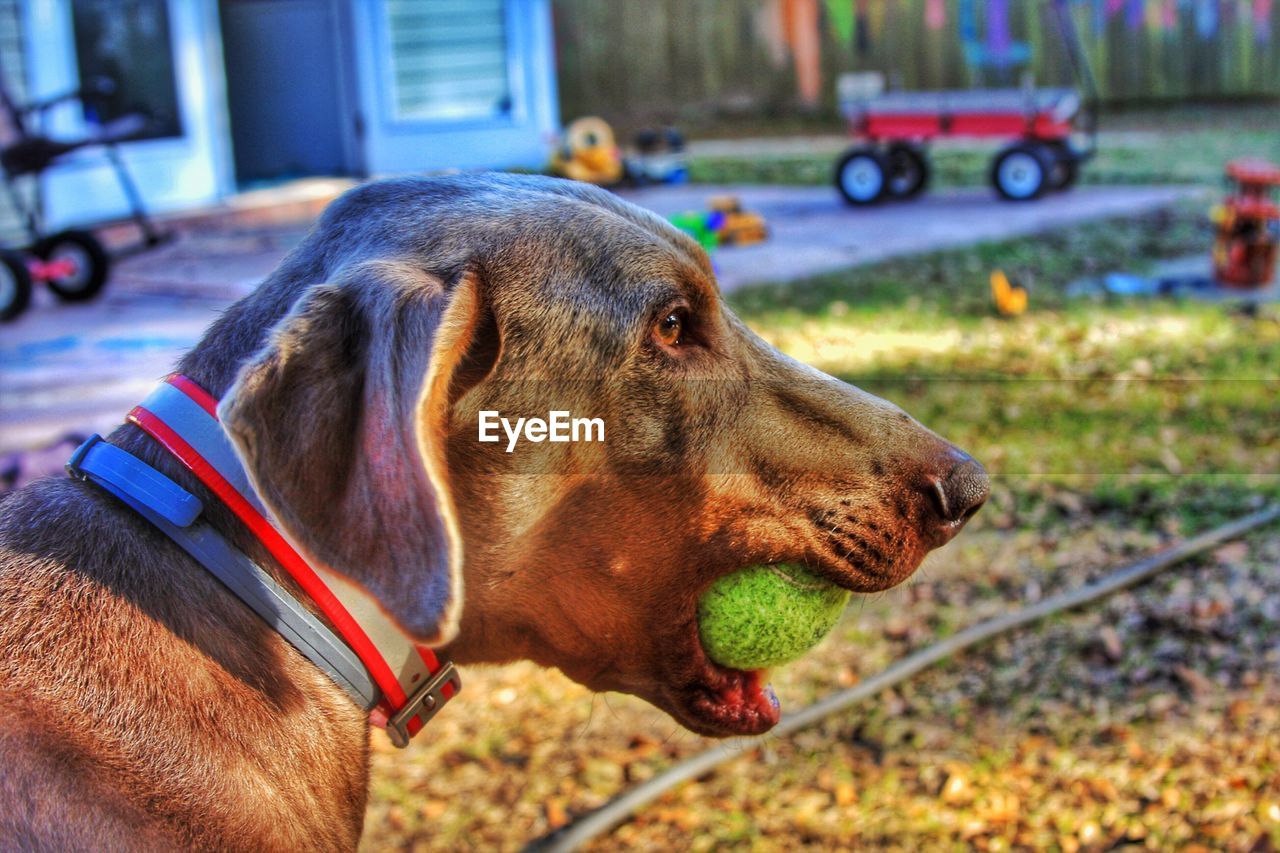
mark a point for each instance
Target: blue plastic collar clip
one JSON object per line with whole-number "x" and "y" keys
{"x": 122, "y": 474}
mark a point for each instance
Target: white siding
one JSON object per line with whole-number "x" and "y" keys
{"x": 449, "y": 59}
{"x": 11, "y": 59}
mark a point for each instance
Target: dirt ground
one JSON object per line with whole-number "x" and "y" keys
{"x": 1151, "y": 720}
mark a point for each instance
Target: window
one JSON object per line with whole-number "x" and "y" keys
{"x": 124, "y": 52}
{"x": 448, "y": 59}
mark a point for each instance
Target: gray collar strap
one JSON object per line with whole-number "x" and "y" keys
{"x": 414, "y": 682}
{"x": 175, "y": 512}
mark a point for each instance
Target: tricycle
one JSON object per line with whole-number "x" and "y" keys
{"x": 73, "y": 263}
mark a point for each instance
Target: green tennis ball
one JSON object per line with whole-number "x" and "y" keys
{"x": 763, "y": 616}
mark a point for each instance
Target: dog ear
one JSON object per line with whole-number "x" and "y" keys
{"x": 340, "y": 421}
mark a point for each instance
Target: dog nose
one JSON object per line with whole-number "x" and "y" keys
{"x": 961, "y": 493}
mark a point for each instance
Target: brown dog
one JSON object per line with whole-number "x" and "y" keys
{"x": 142, "y": 705}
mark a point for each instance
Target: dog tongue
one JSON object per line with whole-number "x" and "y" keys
{"x": 752, "y": 693}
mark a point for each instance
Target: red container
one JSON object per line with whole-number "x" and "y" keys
{"x": 1248, "y": 225}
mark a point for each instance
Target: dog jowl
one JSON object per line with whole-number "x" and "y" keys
{"x": 351, "y": 386}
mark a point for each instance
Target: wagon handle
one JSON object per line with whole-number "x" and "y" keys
{"x": 1080, "y": 69}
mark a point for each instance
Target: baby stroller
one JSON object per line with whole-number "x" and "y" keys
{"x": 73, "y": 263}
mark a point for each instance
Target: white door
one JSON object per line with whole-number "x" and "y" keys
{"x": 454, "y": 83}
{"x": 162, "y": 61}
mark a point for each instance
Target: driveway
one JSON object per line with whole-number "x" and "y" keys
{"x": 812, "y": 231}
{"x": 81, "y": 367}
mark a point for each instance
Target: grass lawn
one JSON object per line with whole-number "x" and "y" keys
{"x": 1111, "y": 398}
{"x": 1110, "y": 428}
{"x": 1134, "y": 148}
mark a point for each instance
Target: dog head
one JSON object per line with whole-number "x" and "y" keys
{"x": 449, "y": 298}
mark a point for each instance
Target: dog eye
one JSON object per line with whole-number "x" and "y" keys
{"x": 670, "y": 329}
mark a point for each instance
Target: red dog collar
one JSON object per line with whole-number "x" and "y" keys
{"x": 415, "y": 683}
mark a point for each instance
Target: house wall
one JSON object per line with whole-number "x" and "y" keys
{"x": 177, "y": 172}
{"x": 195, "y": 167}
{"x": 11, "y": 46}
{"x": 11, "y": 60}
{"x": 520, "y": 138}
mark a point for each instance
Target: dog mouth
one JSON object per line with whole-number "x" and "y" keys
{"x": 721, "y": 701}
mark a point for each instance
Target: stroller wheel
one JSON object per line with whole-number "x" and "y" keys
{"x": 87, "y": 261}
{"x": 15, "y": 285}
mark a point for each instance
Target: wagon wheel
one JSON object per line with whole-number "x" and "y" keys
{"x": 88, "y": 263}
{"x": 1066, "y": 167}
{"x": 862, "y": 176}
{"x": 15, "y": 285}
{"x": 1021, "y": 172}
{"x": 908, "y": 171}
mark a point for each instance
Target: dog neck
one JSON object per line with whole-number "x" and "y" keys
{"x": 411, "y": 683}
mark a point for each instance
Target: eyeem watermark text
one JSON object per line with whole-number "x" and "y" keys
{"x": 558, "y": 426}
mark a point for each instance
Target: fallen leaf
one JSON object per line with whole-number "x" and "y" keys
{"x": 1232, "y": 552}
{"x": 956, "y": 790}
{"x": 1070, "y": 502}
{"x": 1196, "y": 683}
{"x": 1111, "y": 645}
{"x": 433, "y": 809}
{"x": 1002, "y": 808}
{"x": 897, "y": 629}
{"x": 972, "y": 827}
{"x": 1103, "y": 789}
{"x": 556, "y": 814}
{"x": 682, "y": 817}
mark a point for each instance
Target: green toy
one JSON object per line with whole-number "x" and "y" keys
{"x": 763, "y": 616}
{"x": 701, "y": 226}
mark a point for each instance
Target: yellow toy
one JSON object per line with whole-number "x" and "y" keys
{"x": 1011, "y": 300}
{"x": 738, "y": 227}
{"x": 588, "y": 153}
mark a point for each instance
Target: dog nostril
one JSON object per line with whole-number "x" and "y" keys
{"x": 963, "y": 492}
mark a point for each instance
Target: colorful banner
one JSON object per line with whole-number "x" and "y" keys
{"x": 795, "y": 31}
{"x": 935, "y": 14}
{"x": 840, "y": 19}
{"x": 1207, "y": 18}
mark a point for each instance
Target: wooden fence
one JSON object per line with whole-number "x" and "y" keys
{"x": 648, "y": 60}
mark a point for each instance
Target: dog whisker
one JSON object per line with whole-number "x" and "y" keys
{"x": 591, "y": 714}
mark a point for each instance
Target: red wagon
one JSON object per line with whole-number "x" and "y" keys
{"x": 893, "y": 130}
{"x": 1049, "y": 132}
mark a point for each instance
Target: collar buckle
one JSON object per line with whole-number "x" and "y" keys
{"x": 74, "y": 471}
{"x": 425, "y": 703}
